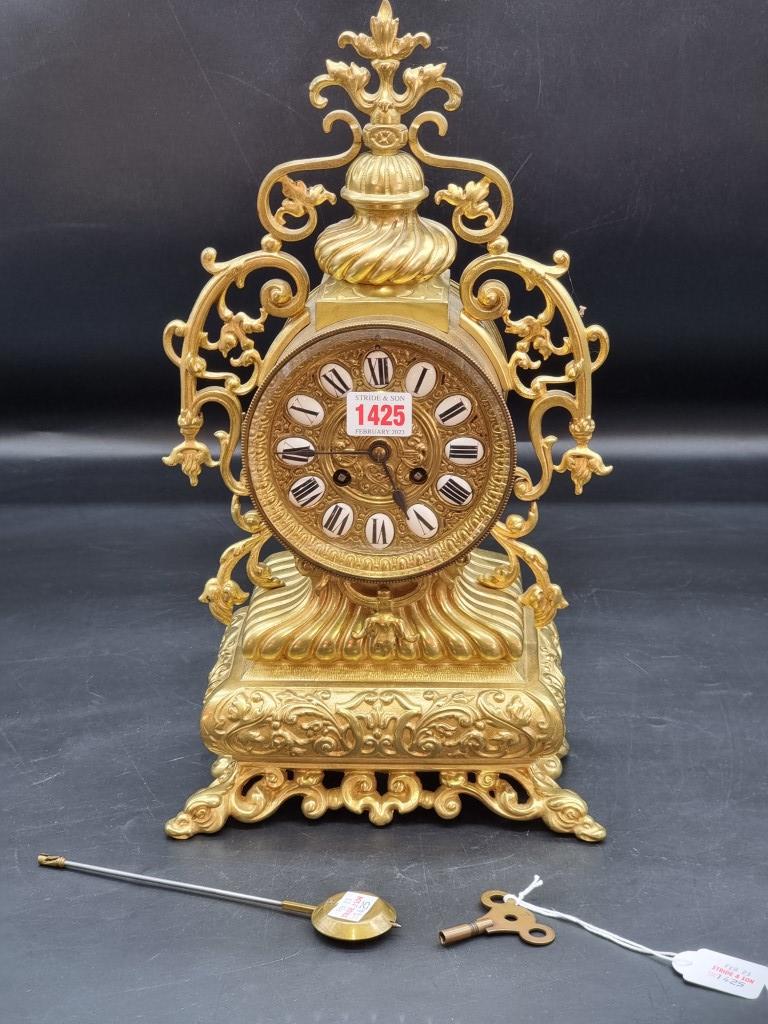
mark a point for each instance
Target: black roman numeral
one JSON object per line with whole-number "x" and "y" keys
{"x": 429, "y": 525}
{"x": 333, "y": 522}
{"x": 304, "y": 491}
{"x": 379, "y": 533}
{"x": 336, "y": 381}
{"x": 453, "y": 411}
{"x": 379, "y": 370}
{"x": 300, "y": 408}
{"x": 455, "y": 491}
{"x": 299, "y": 454}
{"x": 463, "y": 451}
{"x": 420, "y": 381}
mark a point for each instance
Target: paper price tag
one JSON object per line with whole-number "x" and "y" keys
{"x": 379, "y": 413}
{"x": 722, "y": 972}
{"x": 353, "y": 906}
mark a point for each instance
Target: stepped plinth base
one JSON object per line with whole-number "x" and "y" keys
{"x": 458, "y": 683}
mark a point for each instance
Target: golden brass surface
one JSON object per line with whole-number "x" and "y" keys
{"x": 424, "y": 303}
{"x": 490, "y": 299}
{"x": 488, "y": 727}
{"x": 250, "y": 792}
{"x": 47, "y": 860}
{"x": 324, "y": 627}
{"x": 427, "y": 654}
{"x": 480, "y": 341}
{"x": 500, "y": 918}
{"x": 386, "y": 243}
{"x": 293, "y": 907}
{"x": 221, "y": 593}
{"x": 544, "y": 596}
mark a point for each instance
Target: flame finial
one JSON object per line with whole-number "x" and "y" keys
{"x": 385, "y": 50}
{"x": 383, "y": 41}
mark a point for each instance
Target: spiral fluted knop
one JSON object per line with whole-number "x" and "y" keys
{"x": 400, "y": 250}
{"x": 386, "y": 242}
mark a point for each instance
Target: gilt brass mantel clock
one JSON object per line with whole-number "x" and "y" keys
{"x": 383, "y": 647}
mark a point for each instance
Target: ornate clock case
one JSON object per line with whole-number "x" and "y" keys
{"x": 365, "y": 665}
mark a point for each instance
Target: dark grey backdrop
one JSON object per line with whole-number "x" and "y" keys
{"x": 135, "y": 133}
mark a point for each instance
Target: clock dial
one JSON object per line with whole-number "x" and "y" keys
{"x": 338, "y": 519}
{"x": 464, "y": 451}
{"x": 305, "y": 410}
{"x": 377, "y": 508}
{"x": 335, "y": 380}
{"x": 378, "y": 369}
{"x": 307, "y": 491}
{"x": 420, "y": 379}
{"x": 455, "y": 489}
{"x": 295, "y": 451}
{"x": 380, "y": 530}
{"x": 453, "y": 410}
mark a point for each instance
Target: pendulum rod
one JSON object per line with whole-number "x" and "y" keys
{"x": 287, "y": 906}
{"x": 348, "y": 916}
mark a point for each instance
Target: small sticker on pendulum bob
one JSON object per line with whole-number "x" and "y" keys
{"x": 353, "y": 906}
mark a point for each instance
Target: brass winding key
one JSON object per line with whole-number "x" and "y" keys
{"x": 501, "y": 917}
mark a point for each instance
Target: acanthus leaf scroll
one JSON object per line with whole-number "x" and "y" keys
{"x": 489, "y": 299}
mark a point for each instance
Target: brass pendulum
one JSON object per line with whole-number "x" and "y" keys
{"x": 348, "y": 916}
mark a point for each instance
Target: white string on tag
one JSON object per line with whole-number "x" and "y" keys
{"x": 603, "y": 933}
{"x": 705, "y": 967}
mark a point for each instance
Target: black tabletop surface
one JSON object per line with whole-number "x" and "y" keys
{"x": 106, "y": 651}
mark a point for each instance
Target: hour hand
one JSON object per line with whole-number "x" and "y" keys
{"x": 399, "y": 499}
{"x": 397, "y": 495}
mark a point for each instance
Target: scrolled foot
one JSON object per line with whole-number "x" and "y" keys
{"x": 208, "y": 808}
{"x": 248, "y": 793}
{"x": 567, "y": 812}
{"x": 563, "y": 810}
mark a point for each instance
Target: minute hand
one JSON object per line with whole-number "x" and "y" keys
{"x": 340, "y": 451}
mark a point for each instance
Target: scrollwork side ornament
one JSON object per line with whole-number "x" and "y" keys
{"x": 584, "y": 347}
{"x": 470, "y": 201}
{"x": 221, "y": 593}
{"x": 543, "y": 596}
{"x": 226, "y": 388}
{"x": 299, "y": 199}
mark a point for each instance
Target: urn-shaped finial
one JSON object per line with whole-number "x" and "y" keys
{"x": 386, "y": 242}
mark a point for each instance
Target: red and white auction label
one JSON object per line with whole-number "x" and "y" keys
{"x": 379, "y": 413}
{"x": 353, "y": 906}
{"x": 722, "y": 972}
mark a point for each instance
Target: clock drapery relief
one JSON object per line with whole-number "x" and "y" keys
{"x": 383, "y": 637}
